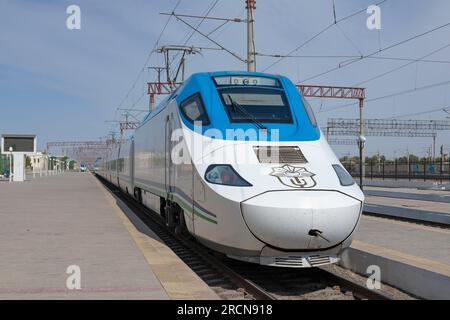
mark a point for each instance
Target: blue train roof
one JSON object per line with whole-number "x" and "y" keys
{"x": 203, "y": 83}
{"x": 235, "y": 73}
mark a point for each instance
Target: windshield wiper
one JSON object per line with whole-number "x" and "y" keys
{"x": 248, "y": 115}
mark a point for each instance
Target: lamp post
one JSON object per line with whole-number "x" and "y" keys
{"x": 10, "y": 163}
{"x": 361, "y": 143}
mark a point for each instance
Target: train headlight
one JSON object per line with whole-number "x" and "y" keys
{"x": 224, "y": 174}
{"x": 344, "y": 177}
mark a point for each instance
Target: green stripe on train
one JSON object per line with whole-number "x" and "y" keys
{"x": 182, "y": 202}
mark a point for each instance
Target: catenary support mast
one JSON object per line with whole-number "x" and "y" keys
{"x": 251, "y": 50}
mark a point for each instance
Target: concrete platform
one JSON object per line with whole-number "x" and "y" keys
{"x": 405, "y": 183}
{"x": 411, "y": 257}
{"x": 409, "y": 193}
{"x": 54, "y": 222}
{"x": 425, "y": 210}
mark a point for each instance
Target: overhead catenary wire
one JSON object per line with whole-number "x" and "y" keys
{"x": 217, "y": 28}
{"x": 420, "y": 59}
{"x": 146, "y": 62}
{"x": 441, "y": 109}
{"x": 224, "y": 27}
{"x": 352, "y": 43}
{"x": 341, "y": 66}
{"x": 413, "y": 60}
{"x": 194, "y": 30}
{"x": 353, "y": 59}
{"x": 210, "y": 39}
{"x": 206, "y": 17}
{"x": 320, "y": 33}
{"x": 152, "y": 51}
{"x": 426, "y": 87}
{"x": 142, "y": 95}
{"x": 189, "y": 36}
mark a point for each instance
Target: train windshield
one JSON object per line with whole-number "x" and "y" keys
{"x": 256, "y": 104}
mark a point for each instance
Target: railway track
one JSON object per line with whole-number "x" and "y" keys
{"x": 232, "y": 279}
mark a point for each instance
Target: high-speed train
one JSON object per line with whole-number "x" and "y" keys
{"x": 237, "y": 159}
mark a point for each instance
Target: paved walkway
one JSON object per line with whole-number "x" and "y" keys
{"x": 409, "y": 193}
{"x": 52, "y": 223}
{"x": 409, "y": 256}
{"x": 426, "y": 205}
{"x": 415, "y": 240}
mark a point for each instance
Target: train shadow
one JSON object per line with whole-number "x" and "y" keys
{"x": 282, "y": 283}
{"x": 137, "y": 221}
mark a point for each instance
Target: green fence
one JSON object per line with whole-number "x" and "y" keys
{"x": 4, "y": 163}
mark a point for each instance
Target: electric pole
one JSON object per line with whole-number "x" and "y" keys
{"x": 251, "y": 50}
{"x": 434, "y": 148}
{"x": 362, "y": 142}
{"x": 152, "y": 96}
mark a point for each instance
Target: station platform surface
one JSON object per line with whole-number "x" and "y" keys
{"x": 409, "y": 193}
{"x": 405, "y": 183}
{"x": 54, "y": 223}
{"x": 428, "y": 244}
{"x": 411, "y": 256}
{"x": 431, "y": 206}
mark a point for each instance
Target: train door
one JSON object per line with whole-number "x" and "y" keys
{"x": 131, "y": 168}
{"x": 178, "y": 180}
{"x": 169, "y": 170}
{"x": 118, "y": 168}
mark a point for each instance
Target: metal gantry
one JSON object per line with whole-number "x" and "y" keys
{"x": 129, "y": 125}
{"x": 332, "y": 92}
{"x": 342, "y": 142}
{"x": 159, "y": 88}
{"x": 390, "y": 124}
{"x": 81, "y": 151}
{"x": 388, "y": 128}
{"x": 74, "y": 144}
{"x": 374, "y": 133}
{"x": 339, "y": 92}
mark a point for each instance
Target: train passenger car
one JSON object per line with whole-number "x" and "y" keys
{"x": 237, "y": 159}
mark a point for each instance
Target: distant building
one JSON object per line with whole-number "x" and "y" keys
{"x": 39, "y": 161}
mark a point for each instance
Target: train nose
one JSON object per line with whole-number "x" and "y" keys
{"x": 301, "y": 219}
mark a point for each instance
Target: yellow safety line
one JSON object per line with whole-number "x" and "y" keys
{"x": 177, "y": 279}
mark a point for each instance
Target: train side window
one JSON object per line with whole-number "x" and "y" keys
{"x": 193, "y": 110}
{"x": 309, "y": 112}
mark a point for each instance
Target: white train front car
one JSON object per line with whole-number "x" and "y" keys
{"x": 247, "y": 170}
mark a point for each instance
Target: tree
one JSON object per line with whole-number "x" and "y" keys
{"x": 28, "y": 162}
{"x": 402, "y": 160}
{"x": 413, "y": 158}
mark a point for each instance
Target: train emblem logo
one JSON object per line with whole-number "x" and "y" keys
{"x": 295, "y": 177}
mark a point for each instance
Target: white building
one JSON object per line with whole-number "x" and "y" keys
{"x": 39, "y": 161}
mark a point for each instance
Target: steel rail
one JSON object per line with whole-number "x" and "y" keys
{"x": 359, "y": 291}
{"x": 149, "y": 217}
{"x": 145, "y": 214}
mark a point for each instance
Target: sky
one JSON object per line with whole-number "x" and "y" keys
{"x": 66, "y": 84}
